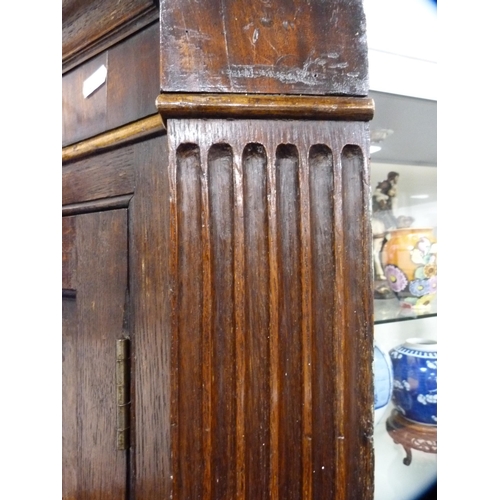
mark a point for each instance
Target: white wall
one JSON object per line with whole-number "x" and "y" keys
{"x": 402, "y": 47}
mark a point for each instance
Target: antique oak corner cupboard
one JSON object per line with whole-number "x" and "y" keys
{"x": 217, "y": 304}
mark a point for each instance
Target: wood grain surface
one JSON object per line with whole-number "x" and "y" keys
{"x": 82, "y": 118}
{"x": 129, "y": 93}
{"x": 263, "y": 106}
{"x": 95, "y": 246}
{"x": 91, "y": 26}
{"x": 133, "y": 132}
{"x": 256, "y": 333}
{"x": 107, "y": 175}
{"x": 133, "y": 77}
{"x": 220, "y": 178}
{"x": 151, "y": 365}
{"x": 292, "y": 47}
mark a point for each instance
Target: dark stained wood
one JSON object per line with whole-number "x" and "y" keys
{"x": 83, "y": 118}
{"x": 70, "y": 424}
{"x": 264, "y": 106}
{"x": 107, "y": 175}
{"x": 219, "y": 204}
{"x": 356, "y": 286}
{"x": 289, "y": 361}
{"x": 291, "y": 47}
{"x": 241, "y": 194}
{"x": 93, "y": 318}
{"x": 270, "y": 312}
{"x": 324, "y": 391}
{"x": 110, "y": 203}
{"x": 68, "y": 254}
{"x": 91, "y": 26}
{"x": 127, "y": 96}
{"x": 273, "y": 322}
{"x": 133, "y": 77}
{"x": 207, "y": 335}
{"x": 152, "y": 347}
{"x": 254, "y": 272}
{"x": 150, "y": 126}
{"x": 188, "y": 353}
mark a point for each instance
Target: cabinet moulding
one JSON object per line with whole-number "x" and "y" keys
{"x": 267, "y": 106}
{"x": 140, "y": 129}
{"x": 110, "y": 203}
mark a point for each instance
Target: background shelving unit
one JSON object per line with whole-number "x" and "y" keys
{"x": 403, "y": 75}
{"x": 393, "y": 324}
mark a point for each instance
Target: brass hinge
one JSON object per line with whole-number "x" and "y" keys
{"x": 123, "y": 394}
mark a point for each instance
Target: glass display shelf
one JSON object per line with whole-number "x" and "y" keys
{"x": 387, "y": 310}
{"x": 403, "y": 171}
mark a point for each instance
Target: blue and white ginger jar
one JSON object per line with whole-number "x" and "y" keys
{"x": 415, "y": 380}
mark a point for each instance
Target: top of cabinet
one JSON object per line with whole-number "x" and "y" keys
{"x": 313, "y": 47}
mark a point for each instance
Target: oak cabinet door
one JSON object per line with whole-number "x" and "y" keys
{"x": 94, "y": 318}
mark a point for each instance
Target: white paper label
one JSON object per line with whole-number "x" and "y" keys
{"x": 94, "y": 81}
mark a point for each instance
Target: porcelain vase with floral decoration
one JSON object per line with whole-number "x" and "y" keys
{"x": 382, "y": 382}
{"x": 415, "y": 379}
{"x": 410, "y": 265}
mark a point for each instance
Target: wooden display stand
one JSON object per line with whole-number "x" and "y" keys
{"x": 411, "y": 435}
{"x": 216, "y": 215}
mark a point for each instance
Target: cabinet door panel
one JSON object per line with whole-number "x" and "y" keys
{"x": 94, "y": 309}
